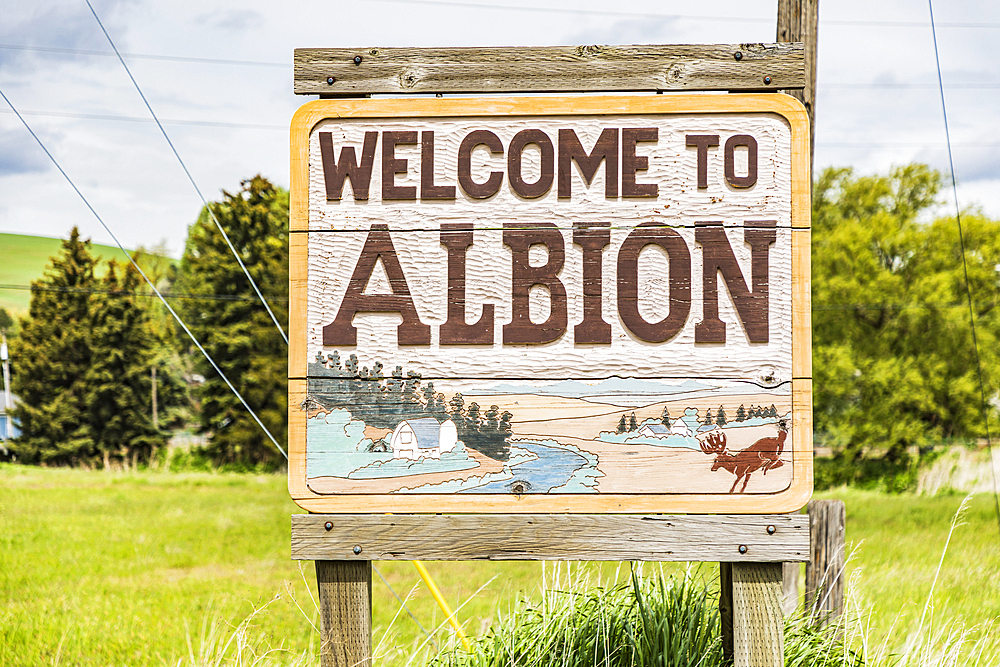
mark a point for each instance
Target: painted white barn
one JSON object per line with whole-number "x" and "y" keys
{"x": 658, "y": 431}
{"x": 423, "y": 438}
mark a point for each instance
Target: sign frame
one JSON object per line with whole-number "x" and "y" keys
{"x": 790, "y": 499}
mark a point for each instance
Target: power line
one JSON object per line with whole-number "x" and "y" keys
{"x": 145, "y": 277}
{"x": 965, "y": 266}
{"x": 144, "y": 56}
{"x": 652, "y": 15}
{"x": 137, "y": 119}
{"x": 169, "y": 295}
{"x": 225, "y": 236}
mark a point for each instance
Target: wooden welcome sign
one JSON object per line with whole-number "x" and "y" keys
{"x": 571, "y": 304}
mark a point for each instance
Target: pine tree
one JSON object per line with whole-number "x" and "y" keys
{"x": 239, "y": 334}
{"x": 772, "y": 411}
{"x": 633, "y": 425}
{"x": 665, "y": 417}
{"x": 741, "y": 414}
{"x": 708, "y": 417}
{"x": 118, "y": 382}
{"x": 52, "y": 356}
{"x": 622, "y": 425}
{"x": 720, "y": 417}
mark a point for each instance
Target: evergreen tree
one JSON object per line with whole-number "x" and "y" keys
{"x": 239, "y": 334}
{"x": 720, "y": 417}
{"x": 741, "y": 414}
{"x": 708, "y": 417}
{"x": 633, "y": 425}
{"x": 622, "y": 425}
{"x": 53, "y": 355}
{"x": 772, "y": 411}
{"x": 118, "y": 382}
{"x": 665, "y": 417}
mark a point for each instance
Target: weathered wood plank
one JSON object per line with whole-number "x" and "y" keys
{"x": 825, "y": 568}
{"x": 758, "y": 622}
{"x": 362, "y": 71}
{"x": 798, "y": 22}
{"x": 345, "y": 609}
{"x": 550, "y": 537}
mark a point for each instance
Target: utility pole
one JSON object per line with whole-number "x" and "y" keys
{"x": 156, "y": 420}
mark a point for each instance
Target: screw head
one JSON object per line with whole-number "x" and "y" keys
{"x": 770, "y": 530}
{"x": 743, "y": 548}
{"x": 357, "y": 60}
{"x": 328, "y": 525}
{"x": 356, "y": 550}
{"x": 738, "y": 55}
{"x": 767, "y": 79}
{"x": 330, "y": 80}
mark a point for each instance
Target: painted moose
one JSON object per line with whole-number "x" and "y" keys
{"x": 762, "y": 455}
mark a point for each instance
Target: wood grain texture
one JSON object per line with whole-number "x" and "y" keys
{"x": 790, "y": 588}
{"x": 345, "y": 609}
{"x": 825, "y": 569}
{"x": 550, "y": 537}
{"x": 798, "y": 21}
{"x": 758, "y": 621}
{"x": 364, "y": 71}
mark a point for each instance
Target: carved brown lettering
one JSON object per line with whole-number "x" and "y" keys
{"x": 520, "y": 237}
{"x": 631, "y": 163}
{"x": 593, "y": 238}
{"x": 679, "y": 258}
{"x": 718, "y": 256}
{"x": 571, "y": 150}
{"x": 411, "y": 331}
{"x": 493, "y": 183}
{"x": 427, "y": 188}
{"x": 335, "y": 172}
{"x": 514, "y": 153}
{"x": 730, "y": 153}
{"x": 457, "y": 237}
{"x": 391, "y": 165}
{"x": 702, "y": 142}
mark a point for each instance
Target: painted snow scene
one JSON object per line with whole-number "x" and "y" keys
{"x": 372, "y": 431}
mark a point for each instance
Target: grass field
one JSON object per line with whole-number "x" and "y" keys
{"x": 154, "y": 568}
{"x": 24, "y": 259}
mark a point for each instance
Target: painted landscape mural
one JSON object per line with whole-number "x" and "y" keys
{"x": 369, "y": 430}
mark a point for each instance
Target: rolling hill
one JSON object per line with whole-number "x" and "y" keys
{"x": 23, "y": 258}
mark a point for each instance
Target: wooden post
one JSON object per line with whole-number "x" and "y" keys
{"x": 798, "y": 21}
{"x": 790, "y": 588}
{"x": 751, "y": 613}
{"x": 345, "y": 609}
{"x": 825, "y": 569}
{"x": 156, "y": 418}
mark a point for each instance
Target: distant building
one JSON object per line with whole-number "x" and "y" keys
{"x": 680, "y": 427}
{"x": 423, "y": 438}
{"x": 658, "y": 431}
{"x": 8, "y": 429}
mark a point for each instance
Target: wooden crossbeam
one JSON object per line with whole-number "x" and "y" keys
{"x": 730, "y": 538}
{"x": 355, "y": 72}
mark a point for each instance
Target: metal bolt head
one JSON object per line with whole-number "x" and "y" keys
{"x": 328, "y": 525}
{"x": 738, "y": 55}
{"x": 357, "y": 549}
{"x": 330, "y": 80}
{"x": 357, "y": 60}
{"x": 770, "y": 530}
{"x": 767, "y": 79}
{"x": 743, "y": 548}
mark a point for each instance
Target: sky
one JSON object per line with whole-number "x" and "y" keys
{"x": 220, "y": 75}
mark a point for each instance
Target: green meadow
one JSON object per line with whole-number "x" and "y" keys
{"x": 163, "y": 568}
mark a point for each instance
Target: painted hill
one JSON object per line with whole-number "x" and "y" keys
{"x": 23, "y": 258}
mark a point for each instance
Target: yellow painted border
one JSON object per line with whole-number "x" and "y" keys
{"x": 789, "y": 500}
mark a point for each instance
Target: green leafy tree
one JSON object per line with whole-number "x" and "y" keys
{"x": 51, "y": 358}
{"x": 117, "y": 382}
{"x": 238, "y": 333}
{"x": 6, "y": 321}
{"x": 894, "y": 366}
